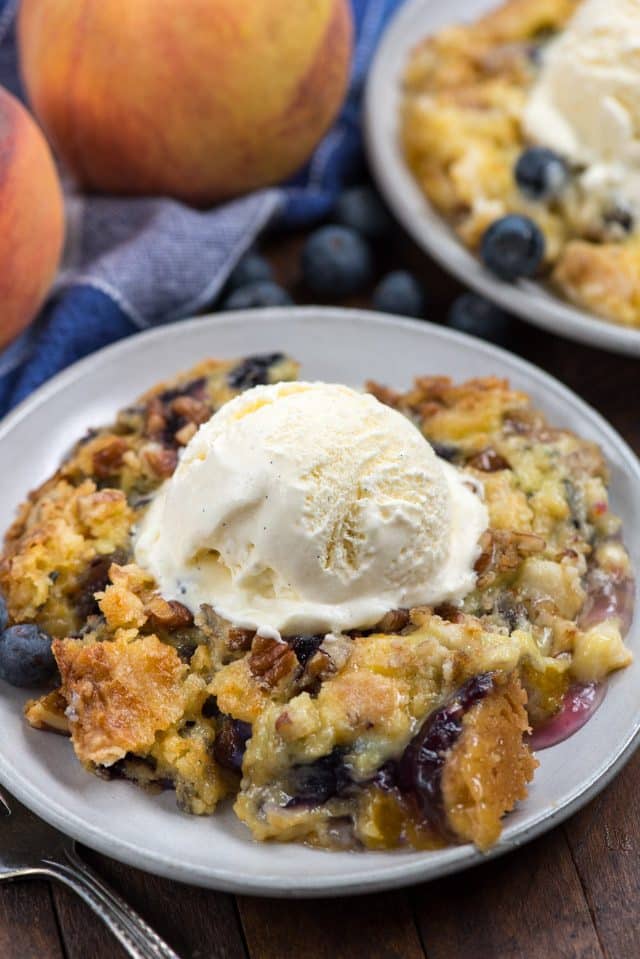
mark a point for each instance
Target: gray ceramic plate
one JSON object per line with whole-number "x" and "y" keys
{"x": 339, "y": 345}
{"x": 532, "y": 301}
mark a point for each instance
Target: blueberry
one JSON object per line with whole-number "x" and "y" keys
{"x": 336, "y": 262}
{"x": 471, "y": 313}
{"x": 420, "y": 768}
{"x": 305, "y": 646}
{"x": 252, "y": 268}
{"x": 253, "y": 371}
{"x": 513, "y": 247}
{"x": 230, "y": 743}
{"x": 361, "y": 209}
{"x": 255, "y": 295}
{"x": 210, "y": 708}
{"x": 400, "y": 292}
{"x": 312, "y": 784}
{"x": 4, "y": 613}
{"x": 541, "y": 174}
{"x": 25, "y": 655}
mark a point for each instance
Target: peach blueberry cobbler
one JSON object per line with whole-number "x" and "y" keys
{"x": 414, "y": 731}
{"x": 523, "y": 130}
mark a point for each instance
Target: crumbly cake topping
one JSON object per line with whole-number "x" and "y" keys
{"x": 319, "y": 738}
{"x": 465, "y": 93}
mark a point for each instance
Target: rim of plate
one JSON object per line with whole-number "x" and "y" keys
{"x": 395, "y": 872}
{"x": 532, "y": 301}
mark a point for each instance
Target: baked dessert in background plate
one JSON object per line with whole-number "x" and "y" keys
{"x": 218, "y": 851}
{"x": 455, "y": 111}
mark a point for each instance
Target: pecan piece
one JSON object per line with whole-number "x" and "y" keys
{"x": 108, "y": 460}
{"x": 168, "y": 614}
{"x": 239, "y": 639}
{"x": 383, "y": 393}
{"x": 504, "y": 550}
{"x": 184, "y": 435}
{"x": 272, "y": 661}
{"x": 155, "y": 419}
{"x": 162, "y": 461}
{"x": 489, "y": 461}
{"x": 191, "y": 409}
{"x": 452, "y": 614}
{"x": 393, "y": 621}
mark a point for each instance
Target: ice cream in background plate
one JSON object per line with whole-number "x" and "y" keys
{"x": 586, "y": 102}
{"x": 308, "y": 507}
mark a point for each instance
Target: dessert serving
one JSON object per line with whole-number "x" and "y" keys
{"x": 356, "y": 615}
{"x": 523, "y": 130}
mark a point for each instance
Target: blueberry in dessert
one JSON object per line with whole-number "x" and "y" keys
{"x": 533, "y": 112}
{"x": 512, "y": 247}
{"x": 357, "y": 614}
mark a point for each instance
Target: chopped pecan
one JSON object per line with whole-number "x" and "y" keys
{"x": 162, "y": 461}
{"x": 108, "y": 460}
{"x": 193, "y": 410}
{"x": 240, "y": 639}
{"x": 184, "y": 435}
{"x": 449, "y": 612}
{"x": 504, "y": 550}
{"x": 317, "y": 668}
{"x": 383, "y": 393}
{"x": 394, "y": 621}
{"x": 168, "y": 614}
{"x": 489, "y": 461}
{"x": 155, "y": 418}
{"x": 272, "y": 661}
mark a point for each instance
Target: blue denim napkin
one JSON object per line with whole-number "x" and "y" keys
{"x": 135, "y": 263}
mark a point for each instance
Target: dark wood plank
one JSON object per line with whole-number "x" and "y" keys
{"x": 195, "y": 922}
{"x": 83, "y": 934}
{"x": 605, "y": 843}
{"x": 526, "y": 905}
{"x": 28, "y": 928}
{"x": 375, "y": 927}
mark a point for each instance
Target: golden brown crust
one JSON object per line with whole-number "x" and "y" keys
{"x": 465, "y": 92}
{"x": 488, "y": 769}
{"x": 120, "y": 695}
{"x": 170, "y": 699}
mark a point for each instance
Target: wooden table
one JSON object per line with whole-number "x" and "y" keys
{"x": 573, "y": 894}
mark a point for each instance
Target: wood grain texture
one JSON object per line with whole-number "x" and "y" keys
{"x": 28, "y": 927}
{"x": 605, "y": 843}
{"x": 197, "y": 923}
{"x": 375, "y": 927}
{"x": 83, "y": 934}
{"x": 527, "y": 904}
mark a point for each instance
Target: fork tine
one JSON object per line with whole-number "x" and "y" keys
{"x": 4, "y": 806}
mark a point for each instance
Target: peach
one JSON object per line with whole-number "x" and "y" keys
{"x": 31, "y": 218}
{"x": 196, "y": 99}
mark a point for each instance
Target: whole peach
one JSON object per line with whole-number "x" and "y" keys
{"x": 31, "y": 218}
{"x": 196, "y": 99}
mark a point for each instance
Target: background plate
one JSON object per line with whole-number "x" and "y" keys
{"x": 532, "y": 301}
{"x": 335, "y": 345}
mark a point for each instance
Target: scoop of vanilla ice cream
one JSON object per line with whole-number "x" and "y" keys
{"x": 309, "y": 507}
{"x": 586, "y": 102}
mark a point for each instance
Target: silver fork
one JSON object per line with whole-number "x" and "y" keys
{"x": 30, "y": 847}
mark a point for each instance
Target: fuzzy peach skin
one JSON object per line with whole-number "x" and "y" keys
{"x": 196, "y": 99}
{"x": 31, "y": 218}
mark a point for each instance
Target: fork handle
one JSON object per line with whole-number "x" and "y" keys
{"x": 143, "y": 929}
{"x": 102, "y": 905}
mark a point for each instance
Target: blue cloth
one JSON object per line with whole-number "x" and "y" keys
{"x": 134, "y": 263}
